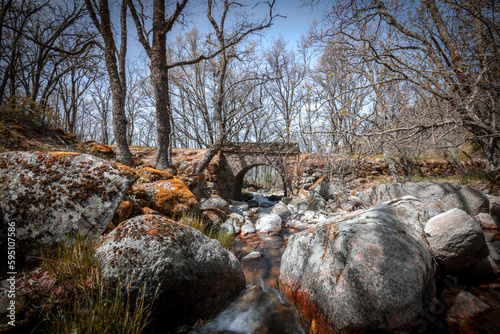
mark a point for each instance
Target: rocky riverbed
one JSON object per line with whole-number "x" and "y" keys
{"x": 399, "y": 257}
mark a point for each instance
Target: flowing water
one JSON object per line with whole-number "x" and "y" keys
{"x": 261, "y": 309}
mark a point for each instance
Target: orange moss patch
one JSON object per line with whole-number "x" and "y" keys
{"x": 126, "y": 169}
{"x": 173, "y": 198}
{"x": 151, "y": 175}
{"x": 102, "y": 149}
{"x": 123, "y": 211}
{"x": 62, "y": 153}
{"x": 149, "y": 211}
{"x": 87, "y": 142}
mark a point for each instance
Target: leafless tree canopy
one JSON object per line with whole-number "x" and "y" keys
{"x": 370, "y": 77}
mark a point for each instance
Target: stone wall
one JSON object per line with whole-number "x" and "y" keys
{"x": 312, "y": 167}
{"x": 308, "y": 168}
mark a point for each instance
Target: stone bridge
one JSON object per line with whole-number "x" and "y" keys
{"x": 238, "y": 158}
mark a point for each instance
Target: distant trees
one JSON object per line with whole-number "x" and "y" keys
{"x": 444, "y": 57}
{"x": 39, "y": 45}
{"x": 288, "y": 71}
{"x": 379, "y": 77}
{"x": 227, "y": 40}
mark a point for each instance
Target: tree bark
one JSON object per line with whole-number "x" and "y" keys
{"x": 116, "y": 75}
{"x": 209, "y": 155}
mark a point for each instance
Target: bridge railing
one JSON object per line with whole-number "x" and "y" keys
{"x": 258, "y": 147}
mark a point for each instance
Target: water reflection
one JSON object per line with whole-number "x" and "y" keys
{"x": 260, "y": 307}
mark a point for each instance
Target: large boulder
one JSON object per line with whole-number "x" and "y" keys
{"x": 456, "y": 239}
{"x": 447, "y": 195}
{"x": 269, "y": 223}
{"x": 216, "y": 202}
{"x": 330, "y": 189}
{"x": 195, "y": 275}
{"x": 51, "y": 195}
{"x": 173, "y": 198}
{"x": 281, "y": 209}
{"x": 364, "y": 272}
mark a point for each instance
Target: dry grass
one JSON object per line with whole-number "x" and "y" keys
{"x": 196, "y": 222}
{"x": 90, "y": 304}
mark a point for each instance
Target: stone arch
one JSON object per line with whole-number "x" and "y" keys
{"x": 238, "y": 179}
{"x": 236, "y": 159}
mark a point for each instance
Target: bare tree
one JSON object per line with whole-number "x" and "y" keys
{"x": 448, "y": 52}
{"x": 115, "y": 63}
{"x": 41, "y": 43}
{"x": 156, "y": 50}
{"x": 226, "y": 43}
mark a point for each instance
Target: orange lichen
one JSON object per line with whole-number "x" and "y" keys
{"x": 62, "y": 153}
{"x": 126, "y": 169}
{"x": 174, "y": 198}
{"x": 101, "y": 149}
{"x": 123, "y": 211}
{"x": 312, "y": 312}
{"x": 152, "y": 175}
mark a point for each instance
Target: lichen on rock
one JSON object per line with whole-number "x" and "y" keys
{"x": 52, "y": 194}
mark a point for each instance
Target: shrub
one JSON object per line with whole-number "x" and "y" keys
{"x": 26, "y": 109}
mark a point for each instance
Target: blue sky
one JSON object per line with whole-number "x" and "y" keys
{"x": 296, "y": 23}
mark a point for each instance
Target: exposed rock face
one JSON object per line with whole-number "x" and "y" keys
{"x": 281, "y": 210}
{"x": 456, "y": 239}
{"x": 466, "y": 313}
{"x": 173, "y": 198}
{"x": 269, "y": 223}
{"x": 363, "y": 272}
{"x": 448, "y": 195}
{"x": 197, "y": 274}
{"x": 97, "y": 148}
{"x": 330, "y": 189}
{"x": 216, "y": 202}
{"x": 49, "y": 195}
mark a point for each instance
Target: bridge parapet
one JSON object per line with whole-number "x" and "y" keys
{"x": 260, "y": 147}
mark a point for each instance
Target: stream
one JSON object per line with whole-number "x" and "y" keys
{"x": 260, "y": 308}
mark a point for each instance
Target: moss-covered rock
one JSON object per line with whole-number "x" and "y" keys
{"x": 195, "y": 275}
{"x": 173, "y": 198}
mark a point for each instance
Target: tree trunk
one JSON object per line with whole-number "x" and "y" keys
{"x": 159, "y": 78}
{"x": 118, "y": 87}
{"x": 205, "y": 160}
{"x": 392, "y": 167}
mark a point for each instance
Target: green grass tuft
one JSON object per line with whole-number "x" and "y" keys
{"x": 196, "y": 222}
